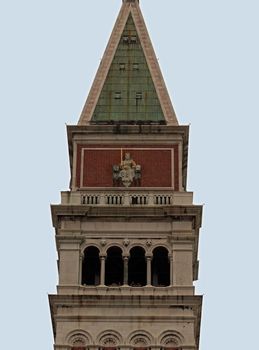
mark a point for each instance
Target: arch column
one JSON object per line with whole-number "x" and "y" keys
{"x": 102, "y": 272}
{"x": 170, "y": 256}
{"x": 81, "y": 259}
{"x": 149, "y": 259}
{"x": 125, "y": 270}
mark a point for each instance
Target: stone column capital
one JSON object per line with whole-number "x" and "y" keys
{"x": 149, "y": 256}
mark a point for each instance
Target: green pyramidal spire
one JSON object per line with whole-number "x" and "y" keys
{"x": 129, "y": 86}
{"x": 128, "y": 93}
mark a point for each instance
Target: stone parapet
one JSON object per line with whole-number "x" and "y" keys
{"x": 129, "y": 197}
{"x": 125, "y": 290}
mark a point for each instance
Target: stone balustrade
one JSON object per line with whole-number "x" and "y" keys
{"x": 134, "y": 197}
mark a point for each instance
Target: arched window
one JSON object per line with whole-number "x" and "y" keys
{"x": 79, "y": 341}
{"x": 160, "y": 267}
{"x": 114, "y": 267}
{"x": 91, "y": 267}
{"x": 171, "y": 340}
{"x": 137, "y": 267}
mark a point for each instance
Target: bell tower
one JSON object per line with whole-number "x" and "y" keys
{"x": 127, "y": 231}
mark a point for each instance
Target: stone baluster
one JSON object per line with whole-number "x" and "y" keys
{"x": 102, "y": 199}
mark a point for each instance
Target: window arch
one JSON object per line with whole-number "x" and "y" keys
{"x": 137, "y": 276}
{"x": 79, "y": 340}
{"x": 171, "y": 340}
{"x": 91, "y": 267}
{"x": 160, "y": 267}
{"x": 140, "y": 339}
{"x": 114, "y": 267}
{"x": 109, "y": 339}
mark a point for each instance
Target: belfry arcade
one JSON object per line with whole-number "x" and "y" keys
{"x": 136, "y": 267}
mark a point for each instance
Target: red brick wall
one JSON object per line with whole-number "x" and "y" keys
{"x": 155, "y": 163}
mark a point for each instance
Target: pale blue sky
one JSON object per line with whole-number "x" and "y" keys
{"x": 208, "y": 52}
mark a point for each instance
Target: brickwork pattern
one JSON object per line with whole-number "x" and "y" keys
{"x": 156, "y": 165}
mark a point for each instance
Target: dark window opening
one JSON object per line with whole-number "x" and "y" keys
{"x": 138, "y": 95}
{"x": 160, "y": 268}
{"x": 114, "y": 267}
{"x": 129, "y": 39}
{"x": 138, "y": 98}
{"x": 126, "y": 39}
{"x": 122, "y": 66}
{"x": 133, "y": 40}
{"x": 137, "y": 267}
{"x": 91, "y": 267}
{"x": 117, "y": 95}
